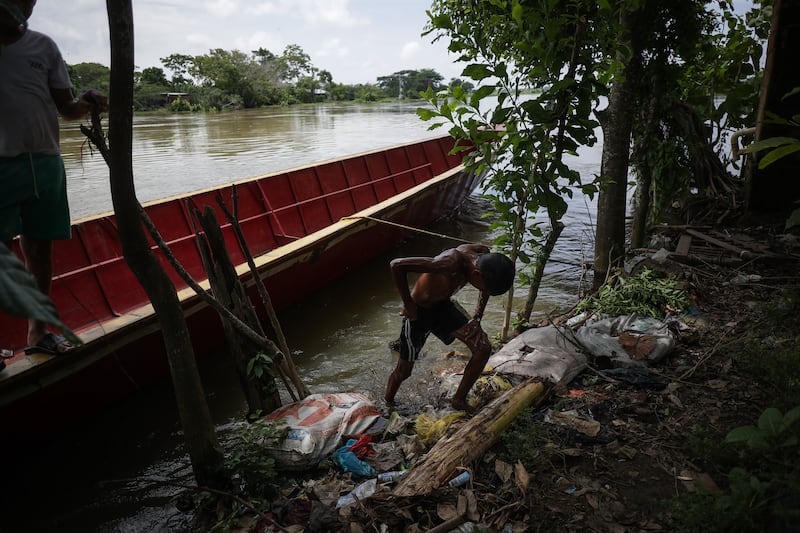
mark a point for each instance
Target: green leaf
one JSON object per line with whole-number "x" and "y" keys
{"x": 482, "y": 92}
{"x": 20, "y": 295}
{"x": 791, "y": 93}
{"x": 792, "y": 415}
{"x": 516, "y": 12}
{"x": 771, "y": 421}
{"x": 779, "y": 153}
{"x": 741, "y": 434}
{"x": 477, "y": 72}
{"x": 772, "y": 142}
{"x": 426, "y": 114}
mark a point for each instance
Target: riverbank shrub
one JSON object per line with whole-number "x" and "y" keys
{"x": 647, "y": 293}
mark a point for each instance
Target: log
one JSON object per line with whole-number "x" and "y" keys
{"x": 469, "y": 442}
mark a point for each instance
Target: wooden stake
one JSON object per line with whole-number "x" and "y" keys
{"x": 470, "y": 441}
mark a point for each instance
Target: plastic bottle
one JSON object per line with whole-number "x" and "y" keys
{"x": 471, "y": 527}
{"x": 459, "y": 480}
{"x": 392, "y": 476}
{"x": 362, "y": 492}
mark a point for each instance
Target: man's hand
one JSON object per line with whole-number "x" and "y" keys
{"x": 472, "y": 332}
{"x": 95, "y": 99}
{"x": 410, "y": 311}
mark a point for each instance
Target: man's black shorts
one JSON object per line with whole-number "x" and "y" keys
{"x": 442, "y": 320}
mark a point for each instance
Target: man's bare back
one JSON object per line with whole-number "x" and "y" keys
{"x": 440, "y": 277}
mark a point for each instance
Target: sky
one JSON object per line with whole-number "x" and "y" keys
{"x": 355, "y": 40}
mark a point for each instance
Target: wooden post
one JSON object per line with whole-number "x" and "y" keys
{"x": 469, "y": 442}
{"x": 229, "y": 291}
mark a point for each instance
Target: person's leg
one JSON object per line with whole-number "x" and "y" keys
{"x": 478, "y": 342}
{"x": 45, "y": 218}
{"x": 400, "y": 373}
{"x": 413, "y": 335}
{"x": 39, "y": 260}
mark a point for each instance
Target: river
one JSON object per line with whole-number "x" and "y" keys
{"x": 117, "y": 472}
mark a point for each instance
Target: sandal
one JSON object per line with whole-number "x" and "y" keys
{"x": 50, "y": 344}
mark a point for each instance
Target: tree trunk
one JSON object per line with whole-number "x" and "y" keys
{"x": 642, "y": 208}
{"x": 260, "y": 391}
{"x": 617, "y": 122}
{"x": 201, "y": 441}
{"x": 470, "y": 441}
{"x": 287, "y": 361}
{"x": 556, "y": 227}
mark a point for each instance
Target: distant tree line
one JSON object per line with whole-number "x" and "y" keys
{"x": 223, "y": 79}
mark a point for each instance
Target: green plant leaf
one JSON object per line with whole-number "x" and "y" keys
{"x": 741, "y": 434}
{"x": 477, "y": 72}
{"x": 771, "y": 142}
{"x": 426, "y": 114}
{"x": 779, "y": 153}
{"x": 771, "y": 421}
{"x": 793, "y": 220}
{"x": 20, "y": 296}
{"x": 791, "y": 417}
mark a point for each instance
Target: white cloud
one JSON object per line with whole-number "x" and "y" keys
{"x": 333, "y": 48}
{"x": 409, "y": 50}
{"x": 223, "y": 8}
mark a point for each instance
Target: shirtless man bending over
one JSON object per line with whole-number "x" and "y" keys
{"x": 429, "y": 308}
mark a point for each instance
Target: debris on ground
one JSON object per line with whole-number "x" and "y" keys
{"x": 601, "y": 437}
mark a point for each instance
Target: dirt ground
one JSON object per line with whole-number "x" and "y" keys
{"x": 638, "y": 446}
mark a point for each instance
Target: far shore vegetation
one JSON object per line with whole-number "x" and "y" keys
{"x": 231, "y": 79}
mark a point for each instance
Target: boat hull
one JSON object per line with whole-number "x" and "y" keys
{"x": 300, "y": 245}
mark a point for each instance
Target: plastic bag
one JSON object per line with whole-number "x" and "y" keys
{"x": 317, "y": 425}
{"x": 347, "y": 460}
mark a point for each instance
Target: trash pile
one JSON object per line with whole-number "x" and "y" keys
{"x": 352, "y": 456}
{"x": 608, "y": 445}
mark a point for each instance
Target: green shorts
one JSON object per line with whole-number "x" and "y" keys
{"x": 33, "y": 198}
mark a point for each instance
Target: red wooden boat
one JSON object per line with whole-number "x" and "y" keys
{"x": 305, "y": 227}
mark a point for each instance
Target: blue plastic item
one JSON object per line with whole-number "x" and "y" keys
{"x": 348, "y": 461}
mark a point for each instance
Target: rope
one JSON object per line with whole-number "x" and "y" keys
{"x": 410, "y": 228}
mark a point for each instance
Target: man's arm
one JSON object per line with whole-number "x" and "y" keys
{"x": 480, "y": 307}
{"x": 400, "y": 269}
{"x": 475, "y": 249}
{"x": 72, "y": 109}
{"x": 444, "y": 263}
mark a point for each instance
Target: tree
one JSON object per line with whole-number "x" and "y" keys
{"x": 231, "y": 72}
{"x": 466, "y": 85}
{"x": 410, "y": 83}
{"x": 325, "y": 77}
{"x": 295, "y": 63}
{"x": 689, "y": 109}
{"x": 195, "y": 417}
{"x": 89, "y": 76}
{"x": 425, "y": 79}
{"x": 180, "y": 65}
{"x": 508, "y": 47}
{"x": 154, "y": 76}
{"x": 617, "y": 121}
{"x": 575, "y": 52}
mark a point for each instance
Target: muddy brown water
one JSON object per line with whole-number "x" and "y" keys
{"x": 121, "y": 471}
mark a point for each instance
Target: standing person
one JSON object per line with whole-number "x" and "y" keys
{"x": 34, "y": 89}
{"x": 429, "y": 308}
